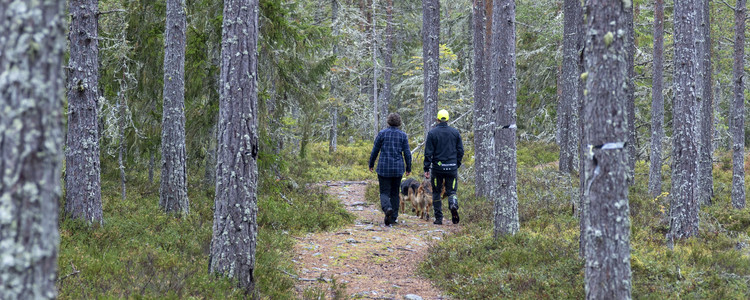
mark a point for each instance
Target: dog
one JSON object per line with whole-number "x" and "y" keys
{"x": 409, "y": 193}
{"x": 424, "y": 199}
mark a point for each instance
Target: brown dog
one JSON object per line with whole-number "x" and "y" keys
{"x": 408, "y": 193}
{"x": 424, "y": 199}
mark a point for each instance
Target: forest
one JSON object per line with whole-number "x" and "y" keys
{"x": 219, "y": 149}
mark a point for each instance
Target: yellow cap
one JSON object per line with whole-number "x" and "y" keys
{"x": 443, "y": 115}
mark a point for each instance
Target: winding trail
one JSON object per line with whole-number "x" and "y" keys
{"x": 374, "y": 261}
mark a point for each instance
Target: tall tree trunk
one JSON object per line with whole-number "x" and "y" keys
{"x": 657, "y": 103}
{"x": 705, "y": 175}
{"x": 568, "y": 112}
{"x": 700, "y": 74}
{"x": 484, "y": 148}
{"x": 379, "y": 114}
{"x": 332, "y": 136}
{"x": 386, "y": 93}
{"x": 630, "y": 48}
{"x": 173, "y": 190}
{"x": 83, "y": 199}
{"x": 583, "y": 145}
{"x": 431, "y": 56}
{"x": 121, "y": 111}
{"x": 503, "y": 94}
{"x": 738, "y": 108}
{"x": 235, "y": 228}
{"x": 683, "y": 210}
{"x": 607, "y": 246}
{"x": 32, "y": 41}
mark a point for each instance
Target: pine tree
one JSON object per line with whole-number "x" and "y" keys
{"x": 607, "y": 241}
{"x": 503, "y": 94}
{"x": 431, "y": 57}
{"x": 83, "y": 198}
{"x": 173, "y": 189}
{"x": 657, "y": 103}
{"x": 235, "y": 228}
{"x": 738, "y": 107}
{"x": 483, "y": 143}
{"x": 568, "y": 105}
{"x": 32, "y": 43}
{"x": 683, "y": 210}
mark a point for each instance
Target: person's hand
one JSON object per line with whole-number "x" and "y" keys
{"x": 427, "y": 175}
{"x": 370, "y": 170}
{"x": 408, "y": 173}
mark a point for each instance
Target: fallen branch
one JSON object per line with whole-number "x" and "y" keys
{"x": 406, "y": 249}
{"x": 75, "y": 272}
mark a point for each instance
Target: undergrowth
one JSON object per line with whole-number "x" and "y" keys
{"x": 140, "y": 252}
{"x": 542, "y": 261}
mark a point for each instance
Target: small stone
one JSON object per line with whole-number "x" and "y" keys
{"x": 412, "y": 297}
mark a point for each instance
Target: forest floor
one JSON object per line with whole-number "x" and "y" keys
{"x": 368, "y": 260}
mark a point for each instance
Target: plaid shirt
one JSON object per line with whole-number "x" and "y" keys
{"x": 391, "y": 143}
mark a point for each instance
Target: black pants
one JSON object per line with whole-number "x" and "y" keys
{"x": 389, "y": 187}
{"x": 450, "y": 180}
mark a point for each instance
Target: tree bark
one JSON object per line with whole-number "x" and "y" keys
{"x": 607, "y": 242}
{"x": 431, "y": 57}
{"x": 387, "y": 93}
{"x": 378, "y": 107}
{"x": 705, "y": 174}
{"x": 333, "y": 134}
{"x": 568, "y": 112}
{"x": 235, "y": 228}
{"x": 702, "y": 192}
{"x": 657, "y": 103}
{"x": 738, "y": 108}
{"x": 503, "y": 94}
{"x": 121, "y": 116}
{"x": 630, "y": 47}
{"x": 683, "y": 210}
{"x": 484, "y": 148}
{"x": 173, "y": 190}
{"x": 83, "y": 198}
{"x": 32, "y": 43}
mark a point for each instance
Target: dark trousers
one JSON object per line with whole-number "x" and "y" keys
{"x": 389, "y": 187}
{"x": 450, "y": 180}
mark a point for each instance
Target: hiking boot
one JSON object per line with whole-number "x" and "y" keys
{"x": 453, "y": 206}
{"x": 438, "y": 222}
{"x": 388, "y": 220}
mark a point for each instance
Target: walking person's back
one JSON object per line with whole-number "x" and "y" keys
{"x": 443, "y": 154}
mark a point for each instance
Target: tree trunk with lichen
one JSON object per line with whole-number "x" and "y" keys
{"x": 630, "y": 47}
{"x": 738, "y": 108}
{"x": 333, "y": 134}
{"x": 703, "y": 95}
{"x": 657, "y": 103}
{"x": 483, "y": 118}
{"x": 607, "y": 242}
{"x": 568, "y": 104}
{"x": 431, "y": 57}
{"x": 235, "y": 228}
{"x": 173, "y": 189}
{"x": 503, "y": 93}
{"x": 32, "y": 43}
{"x": 706, "y": 180}
{"x": 83, "y": 198}
{"x": 683, "y": 210}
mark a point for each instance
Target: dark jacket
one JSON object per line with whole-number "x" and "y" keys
{"x": 443, "y": 150}
{"x": 393, "y": 146}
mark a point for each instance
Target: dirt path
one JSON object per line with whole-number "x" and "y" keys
{"x": 374, "y": 261}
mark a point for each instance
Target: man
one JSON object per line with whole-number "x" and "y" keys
{"x": 442, "y": 155}
{"x": 393, "y": 146}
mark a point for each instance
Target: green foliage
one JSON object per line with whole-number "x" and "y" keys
{"x": 541, "y": 261}
{"x": 348, "y": 163}
{"x": 140, "y": 252}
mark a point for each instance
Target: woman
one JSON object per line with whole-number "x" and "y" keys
{"x": 393, "y": 146}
